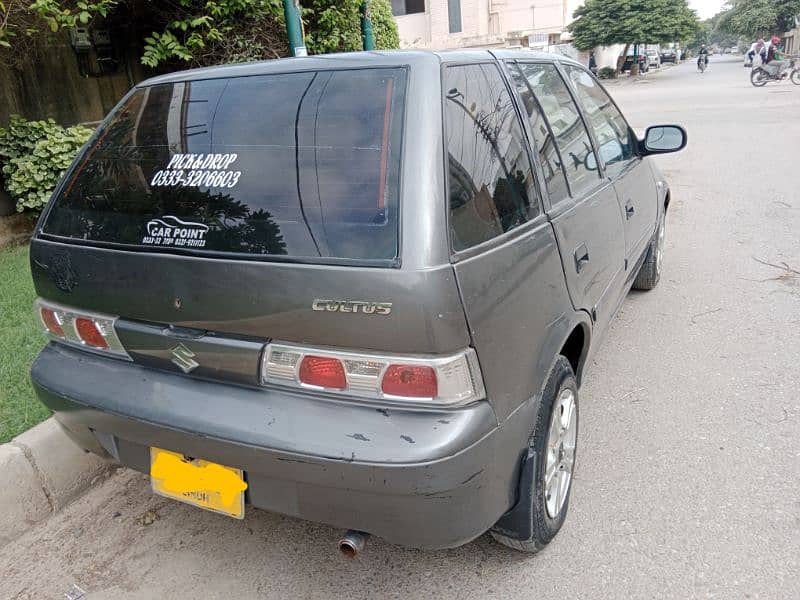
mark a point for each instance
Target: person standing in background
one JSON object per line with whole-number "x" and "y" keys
{"x": 592, "y": 63}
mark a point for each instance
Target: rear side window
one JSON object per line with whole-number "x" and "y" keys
{"x": 489, "y": 172}
{"x": 565, "y": 121}
{"x": 298, "y": 164}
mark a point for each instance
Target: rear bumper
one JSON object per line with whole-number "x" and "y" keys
{"x": 429, "y": 479}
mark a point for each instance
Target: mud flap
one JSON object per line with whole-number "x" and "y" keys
{"x": 517, "y": 523}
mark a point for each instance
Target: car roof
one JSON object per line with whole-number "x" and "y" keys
{"x": 387, "y": 58}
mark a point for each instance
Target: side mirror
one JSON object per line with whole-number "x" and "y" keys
{"x": 662, "y": 139}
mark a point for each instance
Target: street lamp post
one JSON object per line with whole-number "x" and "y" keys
{"x": 294, "y": 27}
{"x": 367, "y": 33}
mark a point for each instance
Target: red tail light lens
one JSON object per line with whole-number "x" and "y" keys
{"x": 323, "y": 372}
{"x": 410, "y": 381}
{"x": 89, "y": 333}
{"x": 52, "y": 322}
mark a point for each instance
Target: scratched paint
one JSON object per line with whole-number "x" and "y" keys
{"x": 198, "y": 482}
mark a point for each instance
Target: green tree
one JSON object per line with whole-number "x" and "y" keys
{"x": 608, "y": 22}
{"x": 192, "y": 33}
{"x": 335, "y": 26}
{"x": 209, "y": 32}
{"x": 195, "y": 33}
{"x": 753, "y": 19}
{"x": 24, "y": 26}
{"x": 713, "y": 32}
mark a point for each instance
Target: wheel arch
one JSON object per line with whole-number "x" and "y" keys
{"x": 575, "y": 347}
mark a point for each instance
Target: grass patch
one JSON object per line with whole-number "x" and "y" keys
{"x": 21, "y": 338}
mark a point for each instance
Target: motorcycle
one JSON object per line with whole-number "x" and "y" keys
{"x": 702, "y": 64}
{"x": 760, "y": 76}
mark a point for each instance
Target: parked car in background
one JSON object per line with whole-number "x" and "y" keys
{"x": 653, "y": 59}
{"x": 644, "y": 65}
{"x": 669, "y": 55}
{"x": 326, "y": 288}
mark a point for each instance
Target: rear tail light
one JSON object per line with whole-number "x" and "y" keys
{"x": 410, "y": 381}
{"x": 322, "y": 372}
{"x": 442, "y": 381}
{"x": 89, "y": 333}
{"x": 79, "y": 328}
{"x": 52, "y": 321}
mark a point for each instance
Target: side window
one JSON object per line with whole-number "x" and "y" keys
{"x": 614, "y": 139}
{"x": 572, "y": 139}
{"x": 545, "y": 143}
{"x": 489, "y": 172}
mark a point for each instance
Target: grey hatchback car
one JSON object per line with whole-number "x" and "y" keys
{"x": 356, "y": 289}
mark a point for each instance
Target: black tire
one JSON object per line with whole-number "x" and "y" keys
{"x": 759, "y": 77}
{"x": 795, "y": 76}
{"x": 531, "y": 528}
{"x": 650, "y": 272}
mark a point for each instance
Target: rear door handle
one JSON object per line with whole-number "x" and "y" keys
{"x": 629, "y": 210}
{"x": 581, "y": 257}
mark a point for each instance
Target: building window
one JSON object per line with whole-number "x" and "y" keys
{"x": 407, "y": 7}
{"x": 454, "y": 15}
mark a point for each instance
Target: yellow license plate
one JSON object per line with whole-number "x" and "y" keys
{"x": 198, "y": 482}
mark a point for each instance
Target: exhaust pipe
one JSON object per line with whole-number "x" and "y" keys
{"x": 353, "y": 543}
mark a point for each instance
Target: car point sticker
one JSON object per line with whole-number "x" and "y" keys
{"x": 172, "y": 231}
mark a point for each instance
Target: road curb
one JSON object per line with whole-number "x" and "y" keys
{"x": 41, "y": 471}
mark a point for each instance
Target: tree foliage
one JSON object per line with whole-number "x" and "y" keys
{"x": 753, "y": 19}
{"x": 712, "y": 33}
{"x": 608, "y": 22}
{"x": 197, "y": 33}
{"x": 192, "y": 33}
{"x": 333, "y": 26}
{"x": 209, "y": 32}
{"x": 24, "y": 26}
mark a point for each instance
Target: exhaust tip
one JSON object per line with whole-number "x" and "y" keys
{"x": 352, "y": 544}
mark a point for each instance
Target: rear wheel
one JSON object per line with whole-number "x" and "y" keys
{"x": 795, "y": 76}
{"x": 650, "y": 272}
{"x": 542, "y": 506}
{"x": 759, "y": 77}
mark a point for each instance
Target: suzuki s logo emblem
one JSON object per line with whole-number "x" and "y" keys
{"x": 183, "y": 358}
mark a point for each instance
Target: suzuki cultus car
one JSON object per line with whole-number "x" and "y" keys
{"x": 356, "y": 289}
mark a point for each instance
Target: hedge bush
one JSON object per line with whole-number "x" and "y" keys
{"x": 35, "y": 155}
{"x": 607, "y": 73}
{"x": 335, "y": 26}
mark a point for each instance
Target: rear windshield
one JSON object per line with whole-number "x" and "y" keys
{"x": 297, "y": 164}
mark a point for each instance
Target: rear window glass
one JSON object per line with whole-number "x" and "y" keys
{"x": 297, "y": 164}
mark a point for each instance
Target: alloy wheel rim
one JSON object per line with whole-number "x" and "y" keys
{"x": 561, "y": 439}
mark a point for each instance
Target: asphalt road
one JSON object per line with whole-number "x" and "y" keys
{"x": 688, "y": 475}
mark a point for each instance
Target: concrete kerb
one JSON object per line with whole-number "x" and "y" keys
{"x": 653, "y": 73}
{"x": 41, "y": 471}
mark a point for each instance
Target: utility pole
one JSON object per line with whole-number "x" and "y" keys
{"x": 367, "y": 33}
{"x": 294, "y": 27}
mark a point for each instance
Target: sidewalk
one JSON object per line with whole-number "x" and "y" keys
{"x": 41, "y": 471}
